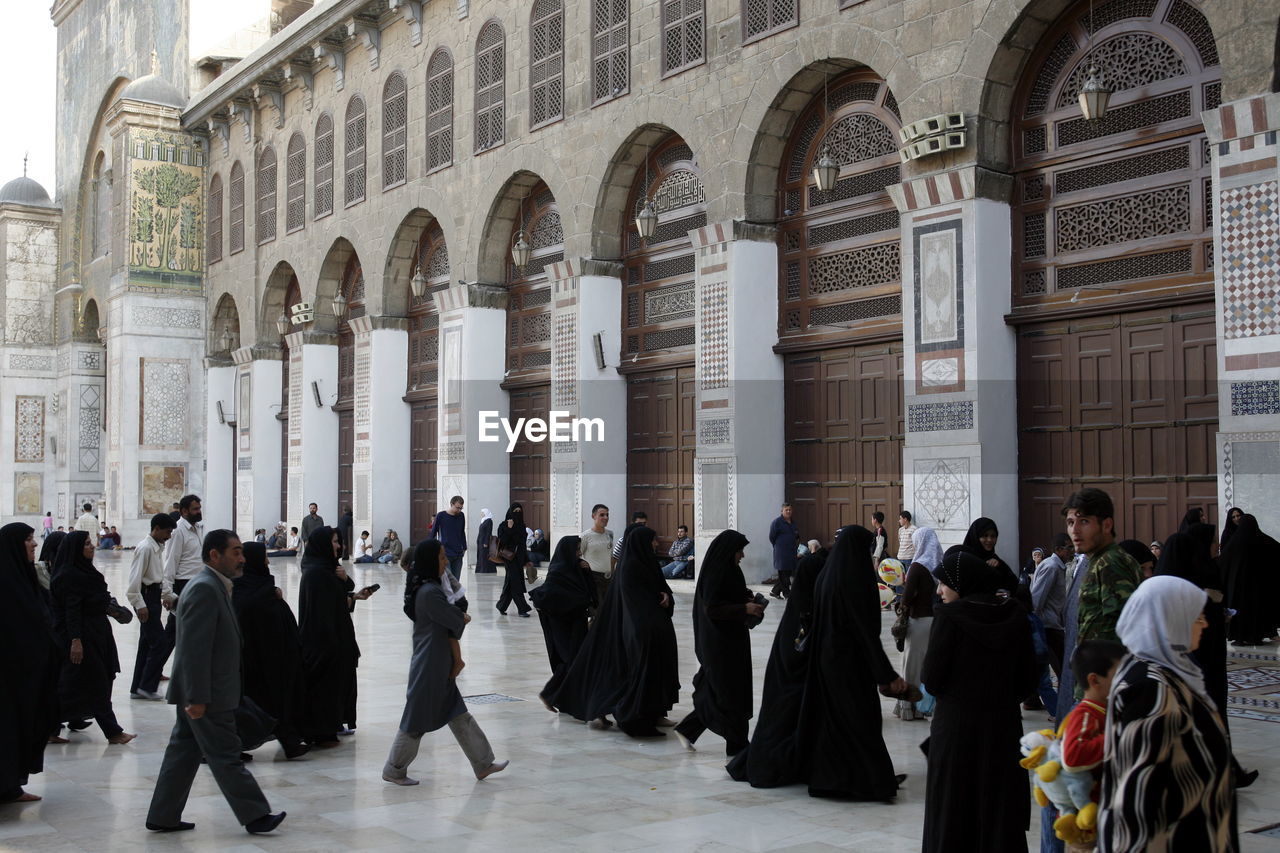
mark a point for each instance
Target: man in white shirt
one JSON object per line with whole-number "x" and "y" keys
{"x": 182, "y": 560}
{"x": 88, "y": 522}
{"x": 146, "y": 578}
{"x": 597, "y": 548}
{"x": 906, "y": 548}
{"x": 363, "y": 552}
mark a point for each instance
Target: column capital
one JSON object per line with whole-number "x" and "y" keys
{"x": 734, "y": 229}
{"x": 962, "y": 184}
{"x": 212, "y": 361}
{"x": 471, "y": 294}
{"x": 602, "y": 267}
{"x": 1244, "y": 118}
{"x": 310, "y": 336}
{"x": 366, "y": 324}
{"x": 244, "y": 355}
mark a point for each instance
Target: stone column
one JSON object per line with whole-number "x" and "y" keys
{"x": 313, "y": 425}
{"x": 82, "y": 440}
{"x": 739, "y": 475}
{"x": 473, "y": 326}
{"x": 220, "y": 444}
{"x": 1246, "y": 267}
{"x": 257, "y": 436}
{"x": 380, "y": 471}
{"x": 960, "y": 459}
{"x": 587, "y": 300}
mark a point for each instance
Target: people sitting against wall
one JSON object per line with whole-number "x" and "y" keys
{"x": 279, "y": 539}
{"x": 539, "y": 548}
{"x": 392, "y": 549}
{"x": 362, "y": 552}
{"x": 103, "y": 544}
{"x": 108, "y": 540}
{"x": 681, "y": 554}
{"x": 291, "y": 542}
{"x": 260, "y": 536}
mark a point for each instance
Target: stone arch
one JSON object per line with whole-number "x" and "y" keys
{"x": 225, "y": 320}
{"x": 330, "y": 279}
{"x": 763, "y": 162}
{"x": 402, "y": 262}
{"x": 89, "y": 322}
{"x": 76, "y": 248}
{"x": 273, "y": 302}
{"x": 494, "y": 246}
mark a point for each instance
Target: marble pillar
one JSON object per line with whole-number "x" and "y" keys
{"x": 257, "y": 438}
{"x": 219, "y": 493}
{"x": 313, "y": 425}
{"x": 380, "y": 473}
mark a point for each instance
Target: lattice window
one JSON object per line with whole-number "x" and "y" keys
{"x": 266, "y": 189}
{"x": 855, "y": 186}
{"x": 679, "y": 338}
{"x": 867, "y": 267}
{"x": 670, "y": 268}
{"x": 236, "y": 205}
{"x": 395, "y": 123}
{"x": 356, "y": 131}
{"x": 684, "y": 34}
{"x": 1033, "y": 237}
{"x": 324, "y": 166}
{"x": 1120, "y": 220}
{"x": 546, "y": 63}
{"x": 491, "y": 93}
{"x": 1141, "y": 166}
{"x": 439, "y": 110}
{"x": 1062, "y": 52}
{"x": 610, "y": 45}
{"x": 424, "y": 322}
{"x": 1192, "y": 21}
{"x": 1124, "y": 119}
{"x": 850, "y": 312}
{"x": 529, "y": 303}
{"x": 765, "y": 17}
{"x": 1124, "y": 269}
{"x": 1128, "y": 61}
{"x": 213, "y": 221}
{"x": 1107, "y": 14}
{"x": 859, "y": 137}
{"x": 295, "y": 181}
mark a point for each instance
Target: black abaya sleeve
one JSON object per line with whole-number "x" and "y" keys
{"x": 938, "y": 661}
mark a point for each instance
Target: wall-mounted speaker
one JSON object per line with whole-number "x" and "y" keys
{"x": 597, "y": 341}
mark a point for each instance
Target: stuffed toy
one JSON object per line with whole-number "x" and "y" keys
{"x": 1066, "y": 790}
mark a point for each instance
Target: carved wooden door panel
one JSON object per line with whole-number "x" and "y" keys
{"x": 531, "y": 461}
{"x": 423, "y": 432}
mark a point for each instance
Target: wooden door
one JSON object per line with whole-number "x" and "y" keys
{"x": 531, "y": 461}
{"x": 423, "y": 441}
{"x": 1124, "y": 402}
{"x": 346, "y": 455}
{"x": 661, "y": 440}
{"x": 844, "y": 433}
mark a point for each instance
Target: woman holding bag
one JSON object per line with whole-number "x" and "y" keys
{"x": 917, "y": 606}
{"x": 514, "y": 556}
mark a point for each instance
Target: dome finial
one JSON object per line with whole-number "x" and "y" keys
{"x": 25, "y": 155}
{"x": 155, "y": 62}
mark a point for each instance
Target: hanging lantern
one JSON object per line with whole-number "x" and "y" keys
{"x": 282, "y": 324}
{"x": 825, "y": 171}
{"x": 647, "y": 220}
{"x": 339, "y": 305}
{"x": 418, "y": 284}
{"x": 520, "y": 250}
{"x": 227, "y": 340}
{"x": 1094, "y": 96}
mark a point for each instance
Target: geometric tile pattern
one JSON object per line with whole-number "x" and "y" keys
{"x": 713, "y": 358}
{"x": 937, "y": 417}
{"x": 1251, "y": 260}
{"x": 942, "y": 489}
{"x": 90, "y": 428}
{"x": 714, "y": 431}
{"x": 164, "y": 403}
{"x": 180, "y": 318}
{"x": 1256, "y": 397}
{"x": 564, "y": 367}
{"x": 29, "y": 441}
{"x": 23, "y": 361}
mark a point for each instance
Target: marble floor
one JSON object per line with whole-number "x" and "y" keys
{"x": 567, "y": 788}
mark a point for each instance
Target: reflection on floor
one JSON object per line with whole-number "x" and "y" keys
{"x": 567, "y": 787}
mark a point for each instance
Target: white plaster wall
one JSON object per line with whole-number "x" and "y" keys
{"x": 601, "y": 394}
{"x": 216, "y": 504}
{"x": 486, "y": 477}
{"x": 319, "y": 472}
{"x": 388, "y": 432}
{"x": 266, "y": 375}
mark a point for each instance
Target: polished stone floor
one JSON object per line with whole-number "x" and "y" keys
{"x": 567, "y": 788}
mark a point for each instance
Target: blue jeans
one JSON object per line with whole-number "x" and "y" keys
{"x": 455, "y": 565}
{"x": 387, "y": 558}
{"x": 674, "y": 569}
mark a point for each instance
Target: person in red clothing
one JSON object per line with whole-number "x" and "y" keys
{"x": 1084, "y": 730}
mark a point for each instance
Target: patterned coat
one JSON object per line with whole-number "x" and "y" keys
{"x": 1110, "y": 578}
{"x": 1166, "y": 783}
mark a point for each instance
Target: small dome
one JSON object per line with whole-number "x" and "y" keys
{"x": 154, "y": 89}
{"x": 25, "y": 191}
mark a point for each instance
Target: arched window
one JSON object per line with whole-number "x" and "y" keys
{"x": 213, "y": 222}
{"x": 762, "y": 18}
{"x": 491, "y": 93}
{"x": 684, "y": 35}
{"x": 324, "y": 166}
{"x": 439, "y": 110}
{"x": 354, "y": 140}
{"x": 395, "y": 121}
{"x": 529, "y": 305}
{"x": 266, "y": 196}
{"x": 236, "y": 204}
{"x": 295, "y": 179}
{"x": 100, "y": 209}
{"x": 546, "y": 63}
{"x": 610, "y": 48}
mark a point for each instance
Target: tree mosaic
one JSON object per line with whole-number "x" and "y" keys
{"x": 166, "y": 223}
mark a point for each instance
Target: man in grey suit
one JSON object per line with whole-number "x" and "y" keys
{"x": 205, "y": 687}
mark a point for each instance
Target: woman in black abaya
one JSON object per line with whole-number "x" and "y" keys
{"x": 329, "y": 650}
{"x": 770, "y": 759}
{"x": 628, "y": 664}
{"x": 562, "y": 601}
{"x": 980, "y": 541}
{"x": 841, "y": 752}
{"x": 981, "y": 662}
{"x": 722, "y": 686}
{"x": 1229, "y": 529}
{"x": 90, "y": 662}
{"x": 1251, "y": 564}
{"x": 511, "y": 537}
{"x": 272, "y": 668}
{"x": 28, "y": 667}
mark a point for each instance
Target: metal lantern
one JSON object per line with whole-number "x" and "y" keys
{"x": 825, "y": 171}
{"x": 647, "y": 220}
{"x": 282, "y": 324}
{"x": 418, "y": 284}
{"x": 339, "y": 304}
{"x": 520, "y": 250}
{"x": 1094, "y": 96}
{"x": 226, "y": 340}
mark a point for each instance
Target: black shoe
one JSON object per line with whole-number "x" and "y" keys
{"x": 267, "y": 823}
{"x": 182, "y": 826}
{"x": 900, "y": 778}
{"x": 524, "y": 613}
{"x": 79, "y": 725}
{"x": 295, "y": 750}
{"x": 1244, "y": 780}
{"x": 500, "y": 610}
{"x": 244, "y": 756}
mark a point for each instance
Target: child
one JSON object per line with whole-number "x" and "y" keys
{"x": 1083, "y": 732}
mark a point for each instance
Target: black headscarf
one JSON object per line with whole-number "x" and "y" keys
{"x": 1229, "y": 527}
{"x": 13, "y": 554}
{"x": 1195, "y": 515}
{"x": 49, "y": 550}
{"x": 569, "y": 589}
{"x": 967, "y": 573}
{"x": 256, "y": 586}
{"x": 1136, "y": 549}
{"x": 1251, "y": 564}
{"x": 513, "y": 537}
{"x": 426, "y": 569}
{"x": 1187, "y": 555}
{"x": 318, "y": 553}
{"x": 722, "y": 686}
{"x": 71, "y": 557}
{"x": 973, "y": 545}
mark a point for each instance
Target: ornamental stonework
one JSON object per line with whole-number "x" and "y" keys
{"x": 29, "y": 438}
{"x": 175, "y": 318}
{"x": 164, "y": 403}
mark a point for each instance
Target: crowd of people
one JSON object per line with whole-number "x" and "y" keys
{"x": 1136, "y": 640}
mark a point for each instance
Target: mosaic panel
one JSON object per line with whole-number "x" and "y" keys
{"x": 564, "y": 367}
{"x": 940, "y": 417}
{"x": 29, "y": 435}
{"x": 1256, "y": 397}
{"x": 88, "y": 359}
{"x": 939, "y": 371}
{"x": 1250, "y": 260}
{"x": 166, "y": 210}
{"x": 715, "y": 431}
{"x": 244, "y": 412}
{"x": 165, "y": 318}
{"x": 24, "y": 361}
{"x": 28, "y": 493}
{"x": 942, "y": 490}
{"x": 161, "y": 487}
{"x": 295, "y": 396}
{"x": 713, "y": 340}
{"x": 164, "y": 403}
{"x": 452, "y": 451}
{"x": 565, "y": 484}
{"x": 939, "y": 286}
{"x": 363, "y": 404}
{"x": 90, "y": 428}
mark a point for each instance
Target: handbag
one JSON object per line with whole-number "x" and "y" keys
{"x": 752, "y": 621}
{"x": 498, "y": 554}
{"x": 123, "y": 615}
{"x": 901, "y": 627}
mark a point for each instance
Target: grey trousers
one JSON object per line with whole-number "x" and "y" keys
{"x": 465, "y": 730}
{"x": 214, "y": 737}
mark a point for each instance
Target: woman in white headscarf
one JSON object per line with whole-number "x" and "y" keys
{"x": 917, "y": 604}
{"x": 1166, "y": 783}
{"x": 483, "y": 566}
